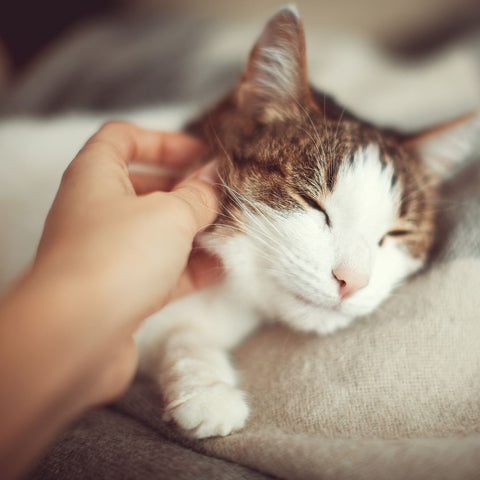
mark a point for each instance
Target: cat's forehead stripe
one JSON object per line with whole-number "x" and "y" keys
{"x": 366, "y": 175}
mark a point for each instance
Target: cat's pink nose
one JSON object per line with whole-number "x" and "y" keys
{"x": 349, "y": 280}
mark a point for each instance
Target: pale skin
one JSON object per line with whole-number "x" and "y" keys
{"x": 116, "y": 247}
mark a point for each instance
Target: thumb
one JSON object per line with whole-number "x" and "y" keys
{"x": 200, "y": 196}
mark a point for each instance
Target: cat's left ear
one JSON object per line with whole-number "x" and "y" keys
{"x": 275, "y": 82}
{"x": 448, "y": 146}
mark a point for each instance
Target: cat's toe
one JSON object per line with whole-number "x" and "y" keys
{"x": 210, "y": 411}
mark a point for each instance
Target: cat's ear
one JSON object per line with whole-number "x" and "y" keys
{"x": 275, "y": 81}
{"x": 447, "y": 147}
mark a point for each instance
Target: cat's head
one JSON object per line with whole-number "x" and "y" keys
{"x": 323, "y": 214}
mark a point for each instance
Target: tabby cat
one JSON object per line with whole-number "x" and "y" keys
{"x": 323, "y": 215}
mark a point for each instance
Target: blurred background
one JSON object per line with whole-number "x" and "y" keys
{"x": 55, "y": 55}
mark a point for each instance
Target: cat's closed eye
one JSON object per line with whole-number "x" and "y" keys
{"x": 394, "y": 233}
{"x": 314, "y": 204}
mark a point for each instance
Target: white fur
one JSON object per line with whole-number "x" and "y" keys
{"x": 279, "y": 268}
{"x": 185, "y": 348}
{"x": 287, "y": 260}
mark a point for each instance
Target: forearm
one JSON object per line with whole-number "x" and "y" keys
{"x": 50, "y": 347}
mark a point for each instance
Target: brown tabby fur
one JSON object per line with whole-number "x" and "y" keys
{"x": 274, "y": 150}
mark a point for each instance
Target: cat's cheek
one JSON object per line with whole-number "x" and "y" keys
{"x": 391, "y": 268}
{"x": 393, "y": 265}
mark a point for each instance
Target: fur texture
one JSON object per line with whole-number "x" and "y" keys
{"x": 323, "y": 215}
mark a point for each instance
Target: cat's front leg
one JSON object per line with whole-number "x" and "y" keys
{"x": 199, "y": 386}
{"x": 185, "y": 349}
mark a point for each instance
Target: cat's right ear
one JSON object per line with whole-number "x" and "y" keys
{"x": 275, "y": 82}
{"x": 445, "y": 148}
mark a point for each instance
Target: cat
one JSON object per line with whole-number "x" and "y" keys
{"x": 323, "y": 215}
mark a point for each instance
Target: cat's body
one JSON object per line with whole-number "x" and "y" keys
{"x": 323, "y": 215}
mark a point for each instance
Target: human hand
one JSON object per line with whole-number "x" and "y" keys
{"x": 128, "y": 231}
{"x": 115, "y": 248}
{"x": 124, "y": 240}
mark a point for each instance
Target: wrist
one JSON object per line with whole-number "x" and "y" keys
{"x": 36, "y": 400}
{"x": 40, "y": 318}
{"x": 48, "y": 318}
{"x": 93, "y": 330}
{"x": 103, "y": 281}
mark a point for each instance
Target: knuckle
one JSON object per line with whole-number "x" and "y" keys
{"x": 202, "y": 197}
{"x": 114, "y": 126}
{"x": 182, "y": 209}
{"x": 114, "y": 138}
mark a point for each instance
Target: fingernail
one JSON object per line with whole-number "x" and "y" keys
{"x": 209, "y": 173}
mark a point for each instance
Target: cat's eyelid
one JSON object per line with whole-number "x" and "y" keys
{"x": 394, "y": 233}
{"x": 398, "y": 232}
{"x": 317, "y": 206}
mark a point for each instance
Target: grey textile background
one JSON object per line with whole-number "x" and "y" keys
{"x": 108, "y": 444}
{"x": 127, "y": 62}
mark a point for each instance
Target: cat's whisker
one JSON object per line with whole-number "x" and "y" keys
{"x": 257, "y": 207}
{"x": 293, "y": 269}
{"x": 295, "y": 278}
{"x": 309, "y": 118}
{"x": 258, "y": 238}
{"x": 425, "y": 186}
{"x": 217, "y": 138}
{"x": 273, "y": 244}
{"x": 337, "y": 128}
{"x": 259, "y": 234}
{"x": 317, "y": 144}
{"x": 335, "y": 144}
{"x": 257, "y": 230}
{"x": 260, "y": 252}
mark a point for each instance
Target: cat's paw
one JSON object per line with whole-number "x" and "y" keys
{"x": 209, "y": 411}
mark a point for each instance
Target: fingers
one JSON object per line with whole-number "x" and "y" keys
{"x": 197, "y": 198}
{"x": 144, "y": 183}
{"x": 103, "y": 161}
{"x": 136, "y": 144}
{"x": 175, "y": 218}
{"x": 149, "y": 178}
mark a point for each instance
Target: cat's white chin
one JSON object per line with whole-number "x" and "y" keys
{"x": 305, "y": 315}
{"x": 319, "y": 321}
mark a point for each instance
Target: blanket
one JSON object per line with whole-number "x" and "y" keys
{"x": 395, "y": 396}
